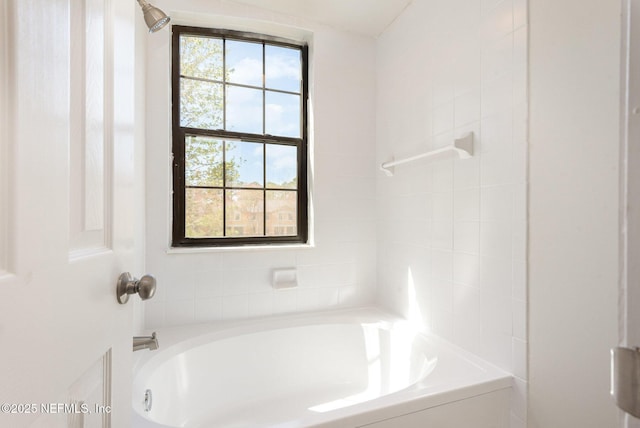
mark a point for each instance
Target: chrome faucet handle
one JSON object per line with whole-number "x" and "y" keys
{"x": 127, "y": 284}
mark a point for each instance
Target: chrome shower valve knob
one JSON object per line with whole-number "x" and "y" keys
{"x": 145, "y": 287}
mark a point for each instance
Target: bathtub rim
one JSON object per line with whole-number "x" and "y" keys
{"x": 177, "y": 339}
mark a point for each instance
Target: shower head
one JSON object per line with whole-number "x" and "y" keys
{"x": 154, "y": 17}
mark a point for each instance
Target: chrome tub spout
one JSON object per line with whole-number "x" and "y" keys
{"x": 145, "y": 342}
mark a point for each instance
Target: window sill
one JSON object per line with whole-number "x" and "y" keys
{"x": 248, "y": 248}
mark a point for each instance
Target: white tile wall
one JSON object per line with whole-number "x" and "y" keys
{"x": 472, "y": 72}
{"x": 340, "y": 270}
{"x": 444, "y": 241}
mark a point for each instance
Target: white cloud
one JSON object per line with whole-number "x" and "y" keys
{"x": 278, "y": 67}
{"x": 247, "y": 72}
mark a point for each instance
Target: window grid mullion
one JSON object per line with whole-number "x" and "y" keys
{"x": 239, "y": 85}
{"x": 264, "y": 189}
{"x": 224, "y": 142}
{"x": 232, "y": 135}
{"x": 264, "y": 97}
{"x": 264, "y": 145}
{"x": 200, "y": 79}
{"x": 224, "y": 188}
{"x": 273, "y": 189}
{"x": 224, "y": 84}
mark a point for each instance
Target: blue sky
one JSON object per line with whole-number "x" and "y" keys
{"x": 244, "y": 107}
{"x": 281, "y": 162}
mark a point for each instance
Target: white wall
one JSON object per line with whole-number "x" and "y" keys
{"x": 452, "y": 233}
{"x": 340, "y": 269}
{"x": 574, "y": 137}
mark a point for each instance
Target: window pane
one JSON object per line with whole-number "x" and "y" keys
{"x": 282, "y": 213}
{"x": 240, "y": 136}
{"x": 282, "y": 114}
{"x": 203, "y": 161}
{"x": 200, "y": 104}
{"x": 203, "y": 213}
{"x": 244, "y": 63}
{"x": 282, "y": 68}
{"x": 245, "y": 213}
{"x": 244, "y": 164}
{"x": 201, "y": 57}
{"x": 282, "y": 166}
{"x": 244, "y": 110}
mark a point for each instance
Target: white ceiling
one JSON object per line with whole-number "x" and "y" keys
{"x": 367, "y": 17}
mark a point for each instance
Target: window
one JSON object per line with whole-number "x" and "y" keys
{"x": 239, "y": 139}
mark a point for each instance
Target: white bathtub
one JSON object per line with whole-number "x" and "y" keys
{"x": 333, "y": 369}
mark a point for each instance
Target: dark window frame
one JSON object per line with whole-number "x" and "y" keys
{"x": 179, "y": 238}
